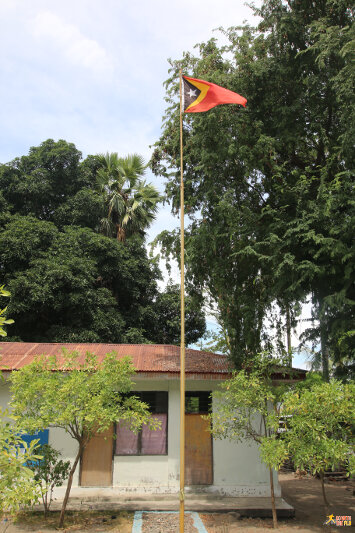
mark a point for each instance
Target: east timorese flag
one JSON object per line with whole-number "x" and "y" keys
{"x": 200, "y": 95}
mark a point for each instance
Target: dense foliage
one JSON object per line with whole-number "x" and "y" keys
{"x": 167, "y": 313}
{"x": 319, "y": 428}
{"x": 68, "y": 282}
{"x": 18, "y": 487}
{"x": 270, "y": 188}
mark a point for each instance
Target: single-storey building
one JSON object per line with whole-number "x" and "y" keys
{"x": 149, "y": 461}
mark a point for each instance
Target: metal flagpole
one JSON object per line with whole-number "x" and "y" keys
{"x": 182, "y": 345}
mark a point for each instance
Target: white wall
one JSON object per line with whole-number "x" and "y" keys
{"x": 237, "y": 469}
{"x": 67, "y": 446}
{"x": 4, "y": 394}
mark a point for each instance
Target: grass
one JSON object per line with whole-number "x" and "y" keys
{"x": 75, "y": 520}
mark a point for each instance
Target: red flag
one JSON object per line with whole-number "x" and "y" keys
{"x": 200, "y": 95}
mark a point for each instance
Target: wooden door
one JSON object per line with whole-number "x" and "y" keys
{"x": 96, "y": 462}
{"x": 198, "y": 451}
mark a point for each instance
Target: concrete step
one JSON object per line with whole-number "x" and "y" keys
{"x": 244, "y": 506}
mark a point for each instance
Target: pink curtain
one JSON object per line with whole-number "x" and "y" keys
{"x": 154, "y": 442}
{"x": 126, "y": 440}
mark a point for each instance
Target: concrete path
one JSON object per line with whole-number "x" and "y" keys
{"x": 245, "y": 506}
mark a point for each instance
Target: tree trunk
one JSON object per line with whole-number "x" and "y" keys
{"x": 6, "y": 524}
{"x": 45, "y": 503}
{"x": 70, "y": 481}
{"x": 273, "y": 505}
{"x": 288, "y": 333}
{"x": 121, "y": 233}
{"x": 326, "y": 503}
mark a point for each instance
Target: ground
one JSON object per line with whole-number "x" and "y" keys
{"x": 304, "y": 493}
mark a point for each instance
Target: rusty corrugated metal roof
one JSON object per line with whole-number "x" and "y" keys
{"x": 157, "y": 358}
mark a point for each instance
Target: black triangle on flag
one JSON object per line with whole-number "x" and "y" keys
{"x": 190, "y": 93}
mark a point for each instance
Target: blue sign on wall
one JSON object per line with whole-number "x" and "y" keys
{"x": 41, "y": 435}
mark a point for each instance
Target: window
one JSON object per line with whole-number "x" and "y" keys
{"x": 198, "y": 402}
{"x": 145, "y": 442}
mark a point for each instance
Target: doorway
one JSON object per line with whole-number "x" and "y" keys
{"x": 198, "y": 439}
{"x": 96, "y": 461}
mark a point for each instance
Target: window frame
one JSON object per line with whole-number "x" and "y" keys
{"x": 139, "y": 453}
{"x": 201, "y": 395}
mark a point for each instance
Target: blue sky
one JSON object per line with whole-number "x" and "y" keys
{"x": 92, "y": 72}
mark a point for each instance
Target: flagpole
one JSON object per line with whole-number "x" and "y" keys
{"x": 182, "y": 345}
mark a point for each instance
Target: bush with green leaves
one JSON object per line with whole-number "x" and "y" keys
{"x": 18, "y": 488}
{"x": 50, "y": 472}
{"x": 319, "y": 434}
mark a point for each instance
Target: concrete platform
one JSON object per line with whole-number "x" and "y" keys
{"x": 244, "y": 506}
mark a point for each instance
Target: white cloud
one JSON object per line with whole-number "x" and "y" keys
{"x": 94, "y": 75}
{"x": 77, "y": 48}
{"x": 8, "y": 5}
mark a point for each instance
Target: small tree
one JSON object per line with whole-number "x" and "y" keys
{"x": 247, "y": 408}
{"x": 78, "y": 395}
{"x": 50, "y": 472}
{"x": 17, "y": 485}
{"x": 319, "y": 432}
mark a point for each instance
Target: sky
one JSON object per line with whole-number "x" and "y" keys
{"x": 92, "y": 72}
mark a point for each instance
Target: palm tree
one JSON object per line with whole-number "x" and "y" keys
{"x": 132, "y": 203}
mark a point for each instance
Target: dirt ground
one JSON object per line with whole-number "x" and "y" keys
{"x": 166, "y": 523}
{"x": 303, "y": 493}
{"x": 75, "y": 522}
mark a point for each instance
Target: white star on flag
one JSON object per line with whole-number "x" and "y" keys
{"x": 192, "y": 93}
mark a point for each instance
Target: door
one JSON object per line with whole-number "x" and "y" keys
{"x": 96, "y": 462}
{"x": 198, "y": 451}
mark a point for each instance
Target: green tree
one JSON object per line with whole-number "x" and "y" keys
{"x": 251, "y": 395}
{"x": 79, "y": 286}
{"x": 166, "y": 310}
{"x": 269, "y": 189}
{"x": 69, "y": 283}
{"x": 215, "y": 341}
{"x": 320, "y": 427}
{"x": 66, "y": 285}
{"x": 17, "y": 485}
{"x": 46, "y": 178}
{"x": 132, "y": 203}
{"x": 83, "y": 397}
